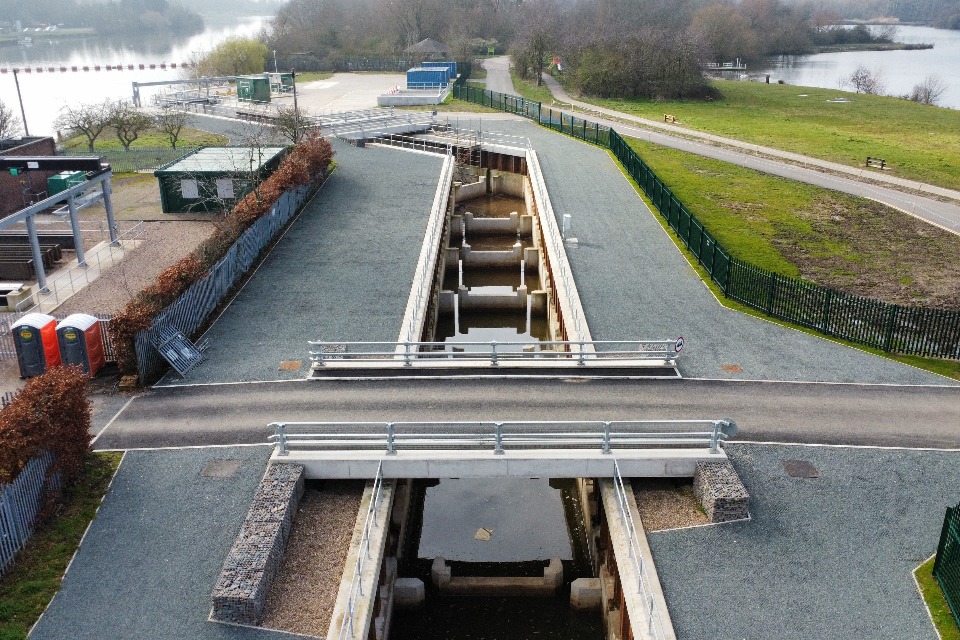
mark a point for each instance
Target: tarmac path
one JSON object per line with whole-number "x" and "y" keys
{"x": 830, "y": 175}
{"x": 868, "y": 415}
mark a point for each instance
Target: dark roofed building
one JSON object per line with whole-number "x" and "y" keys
{"x": 428, "y": 49}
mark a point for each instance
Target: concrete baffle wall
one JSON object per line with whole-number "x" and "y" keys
{"x": 549, "y": 584}
{"x": 720, "y": 491}
{"x": 249, "y": 569}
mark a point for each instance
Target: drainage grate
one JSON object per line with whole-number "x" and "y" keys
{"x": 221, "y": 469}
{"x": 800, "y": 469}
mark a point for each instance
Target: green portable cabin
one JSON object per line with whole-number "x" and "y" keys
{"x": 281, "y": 82}
{"x": 214, "y": 178}
{"x": 64, "y": 180}
{"x": 253, "y": 88}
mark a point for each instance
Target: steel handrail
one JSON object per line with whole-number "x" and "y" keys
{"x": 492, "y": 351}
{"x": 655, "y": 627}
{"x": 517, "y": 435}
{"x": 363, "y": 554}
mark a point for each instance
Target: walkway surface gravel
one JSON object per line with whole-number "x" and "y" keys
{"x": 149, "y": 561}
{"x": 826, "y": 557}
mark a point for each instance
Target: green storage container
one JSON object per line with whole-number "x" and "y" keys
{"x": 253, "y": 89}
{"x": 64, "y": 180}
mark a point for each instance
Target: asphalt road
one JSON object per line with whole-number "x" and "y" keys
{"x": 878, "y": 415}
{"x": 859, "y": 182}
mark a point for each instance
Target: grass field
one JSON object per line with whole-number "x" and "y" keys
{"x": 150, "y": 139}
{"x": 933, "y": 596}
{"x": 834, "y": 239}
{"x": 528, "y": 89}
{"x": 918, "y": 142}
{"x": 35, "y": 576}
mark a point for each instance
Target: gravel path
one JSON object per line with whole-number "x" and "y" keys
{"x": 343, "y": 271}
{"x": 635, "y": 284}
{"x": 829, "y": 557}
{"x": 150, "y": 559}
{"x": 305, "y": 590}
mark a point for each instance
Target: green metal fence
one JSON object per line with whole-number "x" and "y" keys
{"x": 946, "y": 568}
{"x": 890, "y": 327}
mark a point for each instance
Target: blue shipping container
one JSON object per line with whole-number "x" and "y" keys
{"x": 452, "y": 66}
{"x": 420, "y": 78}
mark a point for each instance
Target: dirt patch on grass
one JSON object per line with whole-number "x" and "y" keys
{"x": 666, "y": 503}
{"x": 868, "y": 249}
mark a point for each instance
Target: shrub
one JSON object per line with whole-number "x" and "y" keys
{"x": 51, "y": 413}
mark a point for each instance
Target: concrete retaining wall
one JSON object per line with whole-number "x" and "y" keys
{"x": 249, "y": 569}
{"x": 546, "y": 585}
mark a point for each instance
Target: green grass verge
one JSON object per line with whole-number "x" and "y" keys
{"x": 311, "y": 76}
{"x": 150, "y": 139}
{"x": 939, "y": 609}
{"x": 528, "y": 89}
{"x": 946, "y": 368}
{"x": 452, "y": 105}
{"x": 30, "y": 584}
{"x": 918, "y": 142}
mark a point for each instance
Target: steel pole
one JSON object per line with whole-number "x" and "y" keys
{"x": 23, "y": 114}
{"x": 296, "y": 109}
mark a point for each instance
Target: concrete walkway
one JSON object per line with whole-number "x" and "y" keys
{"x": 343, "y": 271}
{"x": 149, "y": 561}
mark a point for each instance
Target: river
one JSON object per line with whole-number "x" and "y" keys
{"x": 900, "y": 70}
{"x": 45, "y": 93}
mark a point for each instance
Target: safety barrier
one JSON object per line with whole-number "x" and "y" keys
{"x": 604, "y": 436}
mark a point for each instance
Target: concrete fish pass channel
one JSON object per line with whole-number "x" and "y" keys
{"x": 493, "y": 291}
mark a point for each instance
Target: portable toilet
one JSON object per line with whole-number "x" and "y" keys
{"x": 35, "y": 338}
{"x": 81, "y": 342}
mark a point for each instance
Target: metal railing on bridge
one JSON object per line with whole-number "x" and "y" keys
{"x": 500, "y": 436}
{"x": 494, "y": 353}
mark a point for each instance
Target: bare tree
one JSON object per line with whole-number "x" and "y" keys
{"x": 929, "y": 91}
{"x": 128, "y": 123}
{"x": 864, "y": 80}
{"x": 90, "y": 120}
{"x": 291, "y": 123}
{"x": 171, "y": 122}
{"x": 10, "y": 125}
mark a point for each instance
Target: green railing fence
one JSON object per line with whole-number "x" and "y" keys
{"x": 946, "y": 568}
{"x": 137, "y": 158}
{"x": 890, "y": 327}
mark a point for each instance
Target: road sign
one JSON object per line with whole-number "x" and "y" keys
{"x": 678, "y": 346}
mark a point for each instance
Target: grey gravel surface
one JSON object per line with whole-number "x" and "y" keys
{"x": 343, "y": 271}
{"x": 635, "y": 284}
{"x": 149, "y": 561}
{"x": 830, "y": 557}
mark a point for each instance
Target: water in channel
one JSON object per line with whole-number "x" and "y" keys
{"x": 530, "y": 521}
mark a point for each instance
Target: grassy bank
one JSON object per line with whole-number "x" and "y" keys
{"x": 851, "y": 244}
{"x": 528, "y": 89}
{"x": 149, "y": 139}
{"x": 918, "y": 142}
{"x": 35, "y": 576}
{"x": 933, "y": 596}
{"x": 947, "y": 368}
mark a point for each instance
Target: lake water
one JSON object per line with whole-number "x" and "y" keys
{"x": 900, "y": 70}
{"x": 45, "y": 93}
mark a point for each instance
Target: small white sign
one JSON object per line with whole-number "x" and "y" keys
{"x": 225, "y": 188}
{"x": 189, "y": 189}
{"x": 33, "y": 165}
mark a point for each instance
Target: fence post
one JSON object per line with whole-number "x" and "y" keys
{"x": 825, "y": 316}
{"x": 391, "y": 439}
{"x": 888, "y": 333}
{"x": 498, "y": 439}
{"x": 606, "y": 437}
{"x": 282, "y": 439}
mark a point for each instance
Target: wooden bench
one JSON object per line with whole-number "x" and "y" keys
{"x": 876, "y": 163}
{"x": 669, "y": 118}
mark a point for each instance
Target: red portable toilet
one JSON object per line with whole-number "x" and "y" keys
{"x": 81, "y": 342}
{"x": 35, "y": 338}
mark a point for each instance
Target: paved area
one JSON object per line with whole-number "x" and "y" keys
{"x": 764, "y": 411}
{"x": 343, "y": 271}
{"x": 150, "y": 558}
{"x": 344, "y": 92}
{"x": 829, "y": 557}
{"x": 635, "y": 284}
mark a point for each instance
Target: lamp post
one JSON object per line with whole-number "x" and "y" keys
{"x": 23, "y": 114}
{"x": 276, "y": 69}
{"x": 296, "y": 110}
